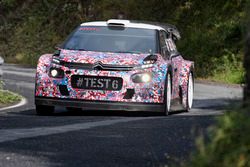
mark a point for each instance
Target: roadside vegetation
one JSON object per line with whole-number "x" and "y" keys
{"x": 212, "y": 31}
{"x": 7, "y": 97}
{"x": 228, "y": 144}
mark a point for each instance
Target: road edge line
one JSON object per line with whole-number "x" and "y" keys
{"x": 21, "y": 103}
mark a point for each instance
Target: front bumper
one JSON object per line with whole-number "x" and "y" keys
{"x": 152, "y": 92}
{"x": 100, "y": 105}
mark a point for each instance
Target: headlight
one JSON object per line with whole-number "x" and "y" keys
{"x": 144, "y": 66}
{"x": 141, "y": 77}
{"x": 56, "y": 73}
{"x": 151, "y": 59}
{"x": 148, "y": 62}
{"x": 147, "y": 66}
{"x": 56, "y": 61}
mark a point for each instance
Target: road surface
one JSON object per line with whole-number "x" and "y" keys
{"x": 100, "y": 138}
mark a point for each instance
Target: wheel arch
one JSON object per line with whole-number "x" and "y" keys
{"x": 43, "y": 62}
{"x": 169, "y": 71}
{"x": 191, "y": 70}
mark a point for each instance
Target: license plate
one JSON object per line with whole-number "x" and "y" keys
{"x": 96, "y": 82}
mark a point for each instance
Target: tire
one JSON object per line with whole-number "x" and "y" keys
{"x": 190, "y": 92}
{"x": 168, "y": 95}
{"x": 44, "y": 110}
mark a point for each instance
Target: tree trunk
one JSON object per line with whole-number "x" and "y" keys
{"x": 247, "y": 68}
{"x": 247, "y": 59}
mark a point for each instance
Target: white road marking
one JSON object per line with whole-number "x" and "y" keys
{"x": 20, "y": 84}
{"x": 8, "y": 67}
{"x": 15, "y": 134}
{"x": 21, "y": 103}
{"x": 24, "y": 74}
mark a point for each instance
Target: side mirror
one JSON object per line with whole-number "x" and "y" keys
{"x": 175, "y": 39}
{"x": 175, "y": 34}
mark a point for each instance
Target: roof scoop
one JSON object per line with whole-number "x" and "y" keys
{"x": 117, "y": 22}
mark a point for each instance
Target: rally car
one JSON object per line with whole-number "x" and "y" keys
{"x": 116, "y": 65}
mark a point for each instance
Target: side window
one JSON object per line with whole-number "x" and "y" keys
{"x": 164, "y": 47}
{"x": 171, "y": 43}
{"x": 171, "y": 47}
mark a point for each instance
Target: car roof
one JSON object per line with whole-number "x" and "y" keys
{"x": 124, "y": 23}
{"x": 136, "y": 24}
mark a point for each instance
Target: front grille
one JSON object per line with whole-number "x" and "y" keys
{"x": 76, "y": 65}
{"x": 97, "y": 66}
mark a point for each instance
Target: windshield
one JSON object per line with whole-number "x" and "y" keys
{"x": 112, "y": 39}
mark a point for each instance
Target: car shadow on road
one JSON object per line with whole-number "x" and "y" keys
{"x": 62, "y": 112}
{"x": 199, "y": 104}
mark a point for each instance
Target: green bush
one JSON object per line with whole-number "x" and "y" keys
{"x": 229, "y": 142}
{"x": 8, "y": 3}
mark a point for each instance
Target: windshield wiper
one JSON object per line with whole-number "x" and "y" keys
{"x": 75, "y": 49}
{"x": 81, "y": 49}
{"x": 135, "y": 52}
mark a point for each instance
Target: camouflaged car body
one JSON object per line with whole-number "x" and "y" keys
{"x": 151, "y": 92}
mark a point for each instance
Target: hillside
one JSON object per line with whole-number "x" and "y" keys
{"x": 212, "y": 31}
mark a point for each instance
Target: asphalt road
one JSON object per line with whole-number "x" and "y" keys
{"x": 100, "y": 138}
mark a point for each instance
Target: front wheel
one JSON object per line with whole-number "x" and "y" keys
{"x": 190, "y": 92}
{"x": 44, "y": 110}
{"x": 168, "y": 94}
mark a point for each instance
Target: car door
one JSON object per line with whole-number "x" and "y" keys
{"x": 176, "y": 63}
{"x": 167, "y": 50}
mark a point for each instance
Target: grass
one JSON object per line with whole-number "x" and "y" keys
{"x": 229, "y": 70}
{"x": 228, "y": 77}
{"x": 7, "y": 98}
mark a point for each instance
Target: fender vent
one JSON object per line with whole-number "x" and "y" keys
{"x": 64, "y": 90}
{"x": 129, "y": 94}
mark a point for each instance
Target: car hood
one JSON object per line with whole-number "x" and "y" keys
{"x": 90, "y": 57}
